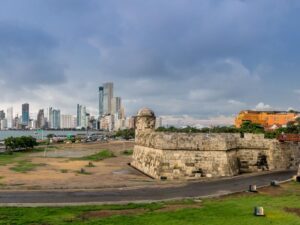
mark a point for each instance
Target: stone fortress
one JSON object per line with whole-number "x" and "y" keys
{"x": 166, "y": 155}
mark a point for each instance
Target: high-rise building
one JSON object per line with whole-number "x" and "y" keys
{"x": 122, "y": 113}
{"x": 10, "y": 117}
{"x": 3, "y": 124}
{"x": 120, "y": 124}
{"x": 54, "y": 118}
{"x": 101, "y": 95}
{"x": 2, "y": 114}
{"x": 41, "y": 119}
{"x": 107, "y": 123}
{"x": 108, "y": 94}
{"x": 92, "y": 122}
{"x": 67, "y": 122}
{"x": 50, "y": 117}
{"x": 83, "y": 119}
{"x": 78, "y": 115}
{"x": 17, "y": 122}
{"x": 81, "y": 116}
{"x": 25, "y": 114}
{"x": 116, "y": 106}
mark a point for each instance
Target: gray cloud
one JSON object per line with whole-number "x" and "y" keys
{"x": 200, "y": 58}
{"x": 27, "y": 56}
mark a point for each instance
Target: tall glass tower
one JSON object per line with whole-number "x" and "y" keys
{"x": 78, "y": 115}
{"x": 25, "y": 114}
{"x": 56, "y": 119}
{"x": 81, "y": 116}
{"x": 101, "y": 95}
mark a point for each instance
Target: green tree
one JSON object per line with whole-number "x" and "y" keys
{"x": 249, "y": 127}
{"x": 50, "y": 136}
{"x": 24, "y": 142}
{"x": 126, "y": 134}
{"x": 10, "y": 144}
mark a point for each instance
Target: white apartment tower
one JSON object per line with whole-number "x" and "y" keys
{"x": 81, "y": 116}
{"x": 10, "y": 117}
{"x": 67, "y": 121}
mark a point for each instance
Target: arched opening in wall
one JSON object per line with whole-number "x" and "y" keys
{"x": 262, "y": 162}
{"x": 242, "y": 135}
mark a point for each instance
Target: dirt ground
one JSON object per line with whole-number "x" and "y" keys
{"x": 60, "y": 169}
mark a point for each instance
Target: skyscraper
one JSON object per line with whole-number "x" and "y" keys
{"x": 40, "y": 119}
{"x": 50, "y": 117}
{"x": 100, "y": 94}
{"x": 10, "y": 118}
{"x": 116, "y": 105}
{"x": 83, "y": 119}
{"x": 54, "y": 118}
{"x": 81, "y": 116}
{"x": 25, "y": 114}
{"x": 78, "y": 115}
{"x": 3, "y": 124}
{"x": 108, "y": 94}
{"x": 2, "y": 115}
{"x": 67, "y": 121}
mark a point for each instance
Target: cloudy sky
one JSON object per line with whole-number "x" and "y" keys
{"x": 190, "y": 60}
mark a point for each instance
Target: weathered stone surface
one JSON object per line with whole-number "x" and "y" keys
{"x": 165, "y": 155}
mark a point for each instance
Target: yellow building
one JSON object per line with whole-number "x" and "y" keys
{"x": 265, "y": 118}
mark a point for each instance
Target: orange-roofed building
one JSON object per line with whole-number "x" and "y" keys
{"x": 265, "y": 118}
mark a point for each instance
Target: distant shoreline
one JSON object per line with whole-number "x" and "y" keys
{"x": 43, "y": 134}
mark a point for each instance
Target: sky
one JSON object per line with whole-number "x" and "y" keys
{"x": 193, "y": 62}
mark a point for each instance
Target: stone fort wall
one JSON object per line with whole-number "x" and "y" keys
{"x": 164, "y": 155}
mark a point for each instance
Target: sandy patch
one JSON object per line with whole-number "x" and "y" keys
{"x": 272, "y": 191}
{"x": 62, "y": 173}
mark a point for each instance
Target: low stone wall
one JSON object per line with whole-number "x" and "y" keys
{"x": 164, "y": 155}
{"x": 178, "y": 164}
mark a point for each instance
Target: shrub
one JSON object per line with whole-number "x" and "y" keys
{"x": 24, "y": 142}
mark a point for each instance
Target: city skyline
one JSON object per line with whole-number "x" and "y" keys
{"x": 92, "y": 108}
{"x": 110, "y": 117}
{"x": 202, "y": 61}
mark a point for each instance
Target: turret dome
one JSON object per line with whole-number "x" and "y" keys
{"x": 146, "y": 112}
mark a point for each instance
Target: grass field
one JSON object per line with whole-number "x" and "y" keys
{"x": 24, "y": 166}
{"x": 103, "y": 154}
{"x": 282, "y": 207}
{"x": 8, "y": 158}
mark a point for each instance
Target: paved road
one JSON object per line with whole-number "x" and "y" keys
{"x": 192, "y": 189}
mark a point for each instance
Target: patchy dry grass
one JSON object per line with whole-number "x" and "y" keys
{"x": 25, "y": 166}
{"x": 104, "y": 154}
{"x": 127, "y": 152}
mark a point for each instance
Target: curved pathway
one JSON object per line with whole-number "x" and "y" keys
{"x": 192, "y": 189}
